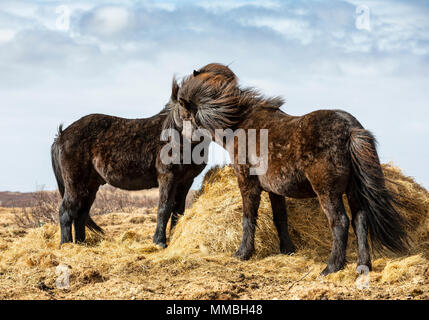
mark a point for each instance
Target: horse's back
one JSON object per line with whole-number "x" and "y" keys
{"x": 305, "y": 146}
{"x": 119, "y": 151}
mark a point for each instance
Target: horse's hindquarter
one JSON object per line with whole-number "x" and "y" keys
{"x": 303, "y": 149}
{"x": 122, "y": 151}
{"x": 128, "y": 159}
{"x": 284, "y": 176}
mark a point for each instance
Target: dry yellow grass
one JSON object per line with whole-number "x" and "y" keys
{"x": 198, "y": 263}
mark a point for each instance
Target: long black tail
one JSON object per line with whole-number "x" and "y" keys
{"x": 55, "y": 153}
{"x": 386, "y": 225}
{"x": 56, "y": 166}
{"x": 93, "y": 226}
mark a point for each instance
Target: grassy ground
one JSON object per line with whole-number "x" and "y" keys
{"x": 198, "y": 263}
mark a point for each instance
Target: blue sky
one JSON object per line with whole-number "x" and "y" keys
{"x": 118, "y": 58}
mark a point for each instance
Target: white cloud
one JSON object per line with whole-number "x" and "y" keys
{"x": 226, "y": 5}
{"x": 109, "y": 20}
{"x": 119, "y": 59}
{"x": 297, "y": 29}
{"x": 6, "y": 35}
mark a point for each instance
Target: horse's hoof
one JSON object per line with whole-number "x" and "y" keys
{"x": 329, "y": 270}
{"x": 159, "y": 241}
{"x": 364, "y": 267}
{"x": 161, "y": 245}
{"x": 325, "y": 272}
{"x": 288, "y": 250}
{"x": 243, "y": 255}
{"x": 63, "y": 242}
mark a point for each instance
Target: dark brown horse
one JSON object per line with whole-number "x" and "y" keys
{"x": 125, "y": 153}
{"x": 324, "y": 154}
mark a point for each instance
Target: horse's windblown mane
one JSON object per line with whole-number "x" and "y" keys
{"x": 216, "y": 74}
{"x": 219, "y": 103}
{"x": 171, "y": 110}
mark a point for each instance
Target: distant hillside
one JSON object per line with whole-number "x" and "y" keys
{"x": 143, "y": 198}
{"x": 16, "y": 199}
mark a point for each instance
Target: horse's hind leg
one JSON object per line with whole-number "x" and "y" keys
{"x": 79, "y": 227}
{"x": 82, "y": 217}
{"x": 69, "y": 212}
{"x": 278, "y": 205}
{"x": 66, "y": 219}
{"x": 333, "y": 206}
{"x": 360, "y": 227}
{"x": 84, "y": 206}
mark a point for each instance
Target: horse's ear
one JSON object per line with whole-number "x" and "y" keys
{"x": 196, "y": 73}
{"x": 174, "y": 90}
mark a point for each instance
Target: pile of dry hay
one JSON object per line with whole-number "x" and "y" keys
{"x": 125, "y": 264}
{"x": 213, "y": 224}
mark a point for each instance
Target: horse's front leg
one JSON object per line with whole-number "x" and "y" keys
{"x": 166, "y": 201}
{"x": 180, "y": 202}
{"x": 251, "y": 196}
{"x": 278, "y": 205}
